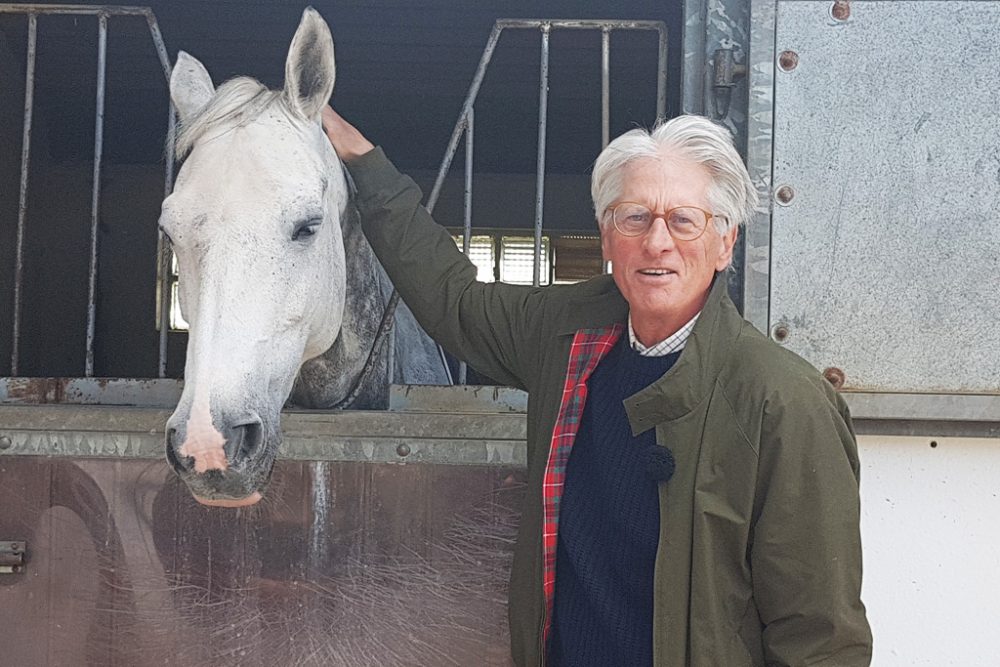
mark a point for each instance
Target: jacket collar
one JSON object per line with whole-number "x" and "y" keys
{"x": 690, "y": 380}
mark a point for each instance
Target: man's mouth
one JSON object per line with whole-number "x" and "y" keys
{"x": 655, "y": 272}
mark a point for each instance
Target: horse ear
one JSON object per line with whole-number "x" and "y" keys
{"x": 191, "y": 86}
{"x": 310, "y": 69}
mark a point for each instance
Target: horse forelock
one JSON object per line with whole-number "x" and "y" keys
{"x": 237, "y": 102}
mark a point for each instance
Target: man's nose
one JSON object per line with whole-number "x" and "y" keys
{"x": 658, "y": 237}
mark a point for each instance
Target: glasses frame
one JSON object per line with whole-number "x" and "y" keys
{"x": 658, "y": 215}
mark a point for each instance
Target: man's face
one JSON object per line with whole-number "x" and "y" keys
{"x": 665, "y": 281}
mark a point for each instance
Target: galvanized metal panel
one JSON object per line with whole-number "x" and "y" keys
{"x": 885, "y": 261}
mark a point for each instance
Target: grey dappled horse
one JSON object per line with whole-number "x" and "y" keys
{"x": 282, "y": 292}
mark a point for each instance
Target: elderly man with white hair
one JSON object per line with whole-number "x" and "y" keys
{"x": 692, "y": 491}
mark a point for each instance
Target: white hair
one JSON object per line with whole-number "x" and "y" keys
{"x": 696, "y": 138}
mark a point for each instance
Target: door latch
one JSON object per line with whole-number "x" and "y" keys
{"x": 11, "y": 557}
{"x": 725, "y": 73}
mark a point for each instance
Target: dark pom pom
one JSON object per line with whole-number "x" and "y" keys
{"x": 659, "y": 463}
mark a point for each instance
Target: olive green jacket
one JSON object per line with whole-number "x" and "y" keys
{"x": 759, "y": 559}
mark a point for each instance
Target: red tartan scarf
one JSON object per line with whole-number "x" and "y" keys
{"x": 588, "y": 348}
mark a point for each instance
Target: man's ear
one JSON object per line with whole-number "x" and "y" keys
{"x": 728, "y": 241}
{"x": 191, "y": 86}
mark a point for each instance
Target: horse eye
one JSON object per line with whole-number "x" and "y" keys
{"x": 305, "y": 230}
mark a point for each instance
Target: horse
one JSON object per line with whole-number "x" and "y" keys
{"x": 282, "y": 293}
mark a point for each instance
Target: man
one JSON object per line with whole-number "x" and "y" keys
{"x": 692, "y": 487}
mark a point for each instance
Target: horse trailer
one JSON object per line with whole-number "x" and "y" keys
{"x": 869, "y": 128}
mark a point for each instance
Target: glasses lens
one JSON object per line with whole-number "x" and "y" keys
{"x": 686, "y": 223}
{"x": 632, "y": 219}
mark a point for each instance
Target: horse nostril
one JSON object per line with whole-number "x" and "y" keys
{"x": 180, "y": 464}
{"x": 245, "y": 442}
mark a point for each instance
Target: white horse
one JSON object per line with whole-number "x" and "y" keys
{"x": 274, "y": 272}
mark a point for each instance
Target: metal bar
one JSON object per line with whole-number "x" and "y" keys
{"x": 693, "y": 65}
{"x": 605, "y": 87}
{"x": 582, "y": 24}
{"x": 22, "y": 207}
{"x": 85, "y": 10}
{"x": 102, "y": 61}
{"x": 470, "y": 99}
{"x": 543, "y": 109}
{"x": 166, "y": 294}
{"x": 163, "y": 245}
{"x": 661, "y": 75}
{"x": 463, "y": 368}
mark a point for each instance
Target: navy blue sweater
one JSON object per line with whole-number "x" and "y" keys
{"x": 609, "y": 525}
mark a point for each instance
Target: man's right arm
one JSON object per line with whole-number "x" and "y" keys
{"x": 488, "y": 325}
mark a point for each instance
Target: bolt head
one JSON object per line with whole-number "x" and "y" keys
{"x": 785, "y": 194}
{"x": 835, "y": 377}
{"x": 403, "y": 450}
{"x": 788, "y": 60}
{"x": 5, "y": 442}
{"x": 841, "y": 10}
{"x": 780, "y": 332}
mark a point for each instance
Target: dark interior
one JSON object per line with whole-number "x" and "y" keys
{"x": 403, "y": 71}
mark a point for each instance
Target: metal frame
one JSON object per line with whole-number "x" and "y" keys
{"x": 103, "y": 13}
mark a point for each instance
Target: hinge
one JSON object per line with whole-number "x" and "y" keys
{"x": 725, "y": 73}
{"x": 11, "y": 557}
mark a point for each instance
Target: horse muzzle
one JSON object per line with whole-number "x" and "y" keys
{"x": 227, "y": 468}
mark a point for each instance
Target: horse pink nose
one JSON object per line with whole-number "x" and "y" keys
{"x": 243, "y": 443}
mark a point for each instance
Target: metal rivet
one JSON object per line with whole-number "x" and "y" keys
{"x": 788, "y": 60}
{"x": 780, "y": 332}
{"x": 403, "y": 449}
{"x": 5, "y": 442}
{"x": 841, "y": 10}
{"x": 835, "y": 376}
{"x": 785, "y": 194}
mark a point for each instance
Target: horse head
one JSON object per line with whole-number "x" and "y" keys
{"x": 255, "y": 223}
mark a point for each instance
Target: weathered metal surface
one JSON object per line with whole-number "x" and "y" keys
{"x": 460, "y": 399}
{"x": 885, "y": 264}
{"x": 91, "y": 391}
{"x": 455, "y": 439}
{"x": 346, "y": 564}
{"x": 760, "y": 131}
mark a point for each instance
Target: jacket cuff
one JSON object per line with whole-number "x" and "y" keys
{"x": 375, "y": 176}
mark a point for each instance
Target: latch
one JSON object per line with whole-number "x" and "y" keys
{"x": 725, "y": 73}
{"x": 11, "y": 557}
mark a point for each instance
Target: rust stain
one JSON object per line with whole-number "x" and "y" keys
{"x": 841, "y": 10}
{"x": 37, "y": 390}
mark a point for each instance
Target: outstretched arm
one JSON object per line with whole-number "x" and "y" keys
{"x": 489, "y": 325}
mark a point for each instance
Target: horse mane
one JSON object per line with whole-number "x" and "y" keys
{"x": 236, "y": 102}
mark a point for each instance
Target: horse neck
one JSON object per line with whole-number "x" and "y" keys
{"x": 328, "y": 379}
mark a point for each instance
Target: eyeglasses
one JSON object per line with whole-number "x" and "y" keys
{"x": 685, "y": 223}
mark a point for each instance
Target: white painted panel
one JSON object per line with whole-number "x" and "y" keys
{"x": 931, "y": 536}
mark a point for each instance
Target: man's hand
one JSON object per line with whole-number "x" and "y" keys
{"x": 346, "y": 140}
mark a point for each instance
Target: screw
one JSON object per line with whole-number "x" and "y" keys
{"x": 841, "y": 10}
{"x": 780, "y": 332}
{"x": 785, "y": 194}
{"x": 788, "y": 60}
{"x": 5, "y": 442}
{"x": 835, "y": 376}
{"x": 15, "y": 569}
{"x": 403, "y": 450}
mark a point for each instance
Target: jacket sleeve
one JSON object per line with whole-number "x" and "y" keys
{"x": 805, "y": 554}
{"x": 488, "y": 325}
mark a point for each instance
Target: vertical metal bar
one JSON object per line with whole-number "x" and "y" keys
{"x": 470, "y": 99}
{"x": 467, "y": 212}
{"x": 661, "y": 75}
{"x": 102, "y": 53}
{"x": 166, "y": 293}
{"x": 605, "y": 86}
{"x": 22, "y": 205}
{"x": 163, "y": 245}
{"x": 543, "y": 108}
